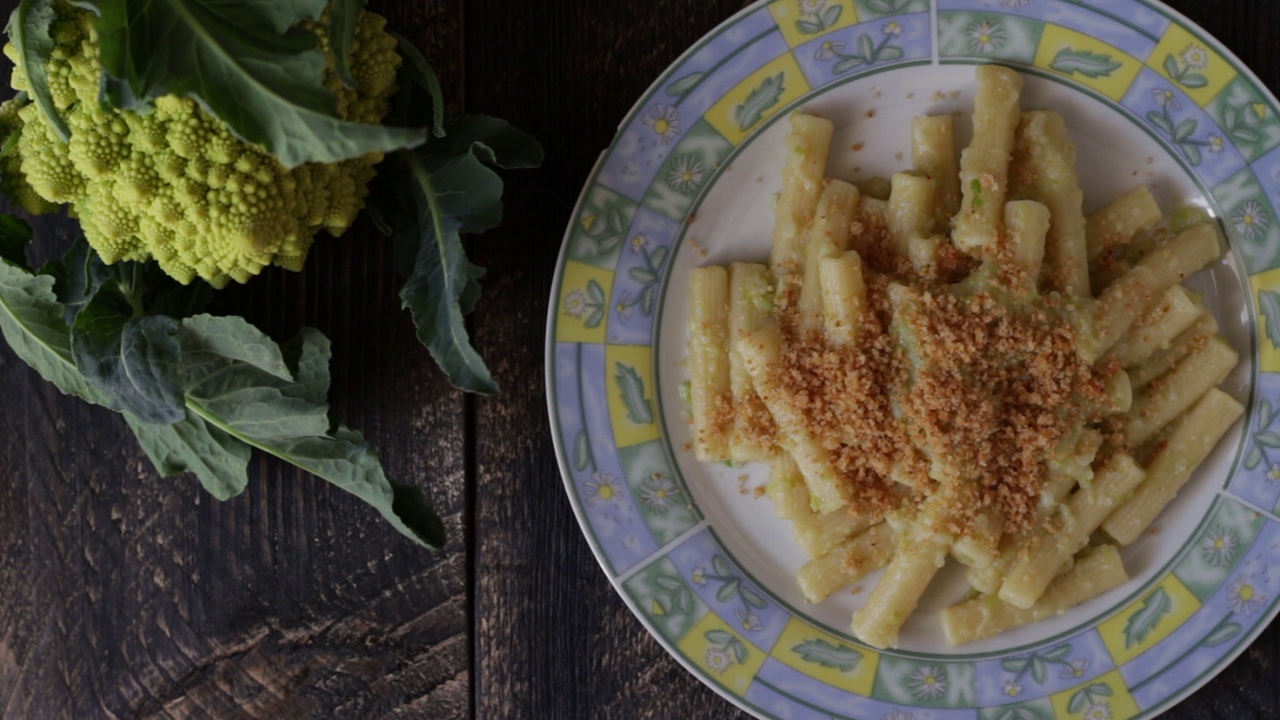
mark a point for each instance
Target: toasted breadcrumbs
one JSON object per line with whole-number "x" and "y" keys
{"x": 943, "y": 393}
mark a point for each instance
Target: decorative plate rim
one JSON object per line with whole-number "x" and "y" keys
{"x": 1176, "y": 19}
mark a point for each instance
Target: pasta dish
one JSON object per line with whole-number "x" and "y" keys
{"x": 959, "y": 363}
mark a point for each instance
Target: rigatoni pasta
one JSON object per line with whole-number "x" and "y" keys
{"x": 923, "y": 396}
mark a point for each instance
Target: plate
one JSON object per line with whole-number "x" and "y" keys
{"x": 703, "y": 562}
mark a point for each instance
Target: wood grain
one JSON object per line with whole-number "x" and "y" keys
{"x": 552, "y": 638}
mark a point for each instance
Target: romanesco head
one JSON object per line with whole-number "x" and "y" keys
{"x": 174, "y": 184}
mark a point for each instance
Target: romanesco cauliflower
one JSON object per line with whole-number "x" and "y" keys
{"x": 174, "y": 184}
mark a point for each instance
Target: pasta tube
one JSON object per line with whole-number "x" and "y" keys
{"x": 846, "y": 563}
{"x": 984, "y": 165}
{"x": 807, "y": 146}
{"x": 933, "y": 152}
{"x": 1190, "y": 443}
{"x": 1086, "y": 510}
{"x": 711, "y": 396}
{"x": 1094, "y": 573}
{"x": 762, "y": 352}
{"x": 750, "y": 302}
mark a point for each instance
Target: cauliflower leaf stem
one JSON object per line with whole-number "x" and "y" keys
{"x": 342, "y": 33}
{"x": 29, "y": 29}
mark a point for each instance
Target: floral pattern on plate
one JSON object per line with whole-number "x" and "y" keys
{"x": 684, "y": 576}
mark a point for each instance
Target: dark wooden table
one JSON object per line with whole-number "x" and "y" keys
{"x": 126, "y": 596}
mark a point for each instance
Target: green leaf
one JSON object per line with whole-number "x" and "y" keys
{"x": 808, "y": 27}
{"x": 615, "y": 221}
{"x": 684, "y": 85}
{"x": 880, "y": 6}
{"x": 1246, "y": 135}
{"x": 1184, "y": 130}
{"x": 646, "y": 300}
{"x": 411, "y": 514}
{"x": 242, "y": 398}
{"x": 31, "y": 319}
{"x": 418, "y": 73}
{"x": 10, "y": 140}
{"x": 889, "y": 53}
{"x": 831, "y": 16}
{"x": 342, "y": 32}
{"x": 1267, "y": 439}
{"x": 1088, "y": 64}
{"x": 347, "y": 461}
{"x": 14, "y": 236}
{"x": 1171, "y": 67}
{"x": 78, "y": 275}
{"x": 847, "y": 64}
{"x": 1230, "y": 116}
{"x": 1160, "y": 121}
{"x": 639, "y": 410}
{"x": 668, "y": 583}
{"x": 581, "y": 451}
{"x": 132, "y": 362}
{"x": 1222, "y": 634}
{"x": 1100, "y": 689}
{"x": 820, "y": 652}
{"x": 1270, "y": 302}
{"x": 753, "y": 598}
{"x": 1154, "y": 608}
{"x": 441, "y": 275}
{"x": 248, "y": 64}
{"x": 446, "y": 189}
{"x": 495, "y": 142}
{"x": 1039, "y": 670}
{"x": 684, "y": 600}
{"x": 28, "y": 30}
{"x": 728, "y": 590}
{"x": 658, "y": 257}
{"x": 765, "y": 96}
{"x": 285, "y": 416}
{"x": 739, "y": 651}
{"x": 219, "y": 461}
{"x": 1078, "y": 702}
{"x": 1253, "y": 459}
{"x": 1059, "y": 653}
{"x": 1194, "y": 80}
{"x": 607, "y": 245}
{"x": 594, "y": 319}
{"x": 1265, "y": 412}
{"x": 233, "y": 338}
{"x": 178, "y": 301}
{"x": 1192, "y": 152}
{"x": 1014, "y": 665}
{"x": 719, "y": 637}
{"x": 866, "y": 48}
{"x": 595, "y": 293}
{"x": 721, "y": 566}
{"x": 642, "y": 275}
{"x": 309, "y": 353}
